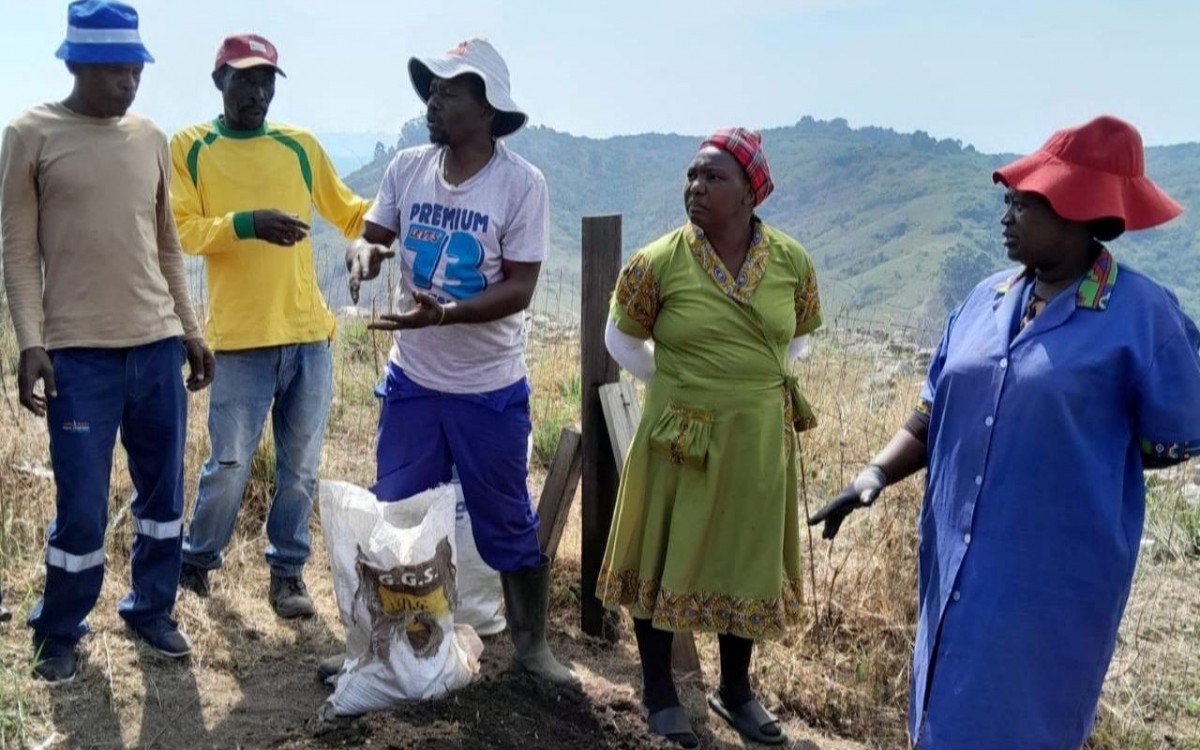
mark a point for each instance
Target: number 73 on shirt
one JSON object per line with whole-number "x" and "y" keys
{"x": 457, "y": 255}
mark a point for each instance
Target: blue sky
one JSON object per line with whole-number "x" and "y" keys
{"x": 999, "y": 75}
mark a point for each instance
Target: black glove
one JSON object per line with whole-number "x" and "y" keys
{"x": 858, "y": 494}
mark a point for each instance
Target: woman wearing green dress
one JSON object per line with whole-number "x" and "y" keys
{"x": 706, "y": 532}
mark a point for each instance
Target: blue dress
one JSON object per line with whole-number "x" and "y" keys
{"x": 1033, "y": 510}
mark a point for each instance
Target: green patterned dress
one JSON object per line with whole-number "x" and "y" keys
{"x": 706, "y": 532}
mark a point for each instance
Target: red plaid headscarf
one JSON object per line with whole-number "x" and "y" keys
{"x": 746, "y": 146}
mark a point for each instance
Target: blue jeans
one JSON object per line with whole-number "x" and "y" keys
{"x": 294, "y": 383}
{"x": 138, "y": 391}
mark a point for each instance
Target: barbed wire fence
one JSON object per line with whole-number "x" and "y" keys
{"x": 862, "y": 374}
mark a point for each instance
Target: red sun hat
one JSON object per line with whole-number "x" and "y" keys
{"x": 1093, "y": 171}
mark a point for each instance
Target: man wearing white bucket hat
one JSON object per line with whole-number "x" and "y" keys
{"x": 98, "y": 297}
{"x": 472, "y": 218}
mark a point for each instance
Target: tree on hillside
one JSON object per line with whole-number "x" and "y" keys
{"x": 962, "y": 268}
{"x": 413, "y": 133}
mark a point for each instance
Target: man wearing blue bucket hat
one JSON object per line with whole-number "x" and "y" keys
{"x": 98, "y": 297}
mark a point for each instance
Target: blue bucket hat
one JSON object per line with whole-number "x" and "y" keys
{"x": 101, "y": 32}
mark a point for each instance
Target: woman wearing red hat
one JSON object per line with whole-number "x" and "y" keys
{"x": 706, "y": 531}
{"x": 1052, "y": 389}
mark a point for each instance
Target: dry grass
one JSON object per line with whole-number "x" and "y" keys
{"x": 845, "y": 673}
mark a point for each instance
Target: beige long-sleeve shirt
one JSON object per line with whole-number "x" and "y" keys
{"x": 91, "y": 253}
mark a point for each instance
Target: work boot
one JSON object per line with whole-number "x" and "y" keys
{"x": 289, "y": 597}
{"x": 329, "y": 668}
{"x": 162, "y": 634}
{"x": 526, "y": 600}
{"x": 57, "y": 670}
{"x": 194, "y": 579}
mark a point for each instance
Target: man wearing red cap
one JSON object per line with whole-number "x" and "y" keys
{"x": 1052, "y": 389}
{"x": 243, "y": 193}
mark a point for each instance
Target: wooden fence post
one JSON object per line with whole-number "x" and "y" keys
{"x": 558, "y": 492}
{"x": 601, "y": 261}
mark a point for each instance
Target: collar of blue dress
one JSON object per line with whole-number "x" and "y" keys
{"x": 1094, "y": 291}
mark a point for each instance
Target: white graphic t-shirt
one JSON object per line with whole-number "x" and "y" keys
{"x": 452, "y": 239}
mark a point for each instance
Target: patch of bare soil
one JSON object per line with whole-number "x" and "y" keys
{"x": 502, "y": 709}
{"x": 251, "y": 683}
{"x": 506, "y": 709}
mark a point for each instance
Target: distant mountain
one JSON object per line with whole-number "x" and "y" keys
{"x": 898, "y": 224}
{"x": 351, "y": 151}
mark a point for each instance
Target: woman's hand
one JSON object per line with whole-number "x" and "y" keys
{"x": 860, "y": 493}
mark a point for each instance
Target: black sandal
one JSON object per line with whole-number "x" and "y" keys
{"x": 750, "y": 719}
{"x": 672, "y": 723}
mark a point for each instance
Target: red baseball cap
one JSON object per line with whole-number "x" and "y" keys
{"x": 243, "y": 51}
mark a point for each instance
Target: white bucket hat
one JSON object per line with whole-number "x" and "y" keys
{"x": 481, "y": 58}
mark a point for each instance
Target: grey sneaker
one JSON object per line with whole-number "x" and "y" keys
{"x": 194, "y": 579}
{"x": 289, "y": 597}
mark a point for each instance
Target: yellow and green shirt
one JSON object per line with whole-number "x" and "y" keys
{"x": 259, "y": 294}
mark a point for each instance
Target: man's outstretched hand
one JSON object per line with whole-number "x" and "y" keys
{"x": 363, "y": 262}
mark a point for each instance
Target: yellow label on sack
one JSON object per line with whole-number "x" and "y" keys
{"x": 434, "y": 602}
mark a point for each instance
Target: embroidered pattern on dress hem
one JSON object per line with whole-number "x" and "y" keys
{"x": 709, "y": 612}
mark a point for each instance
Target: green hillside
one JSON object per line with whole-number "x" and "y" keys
{"x": 899, "y": 224}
